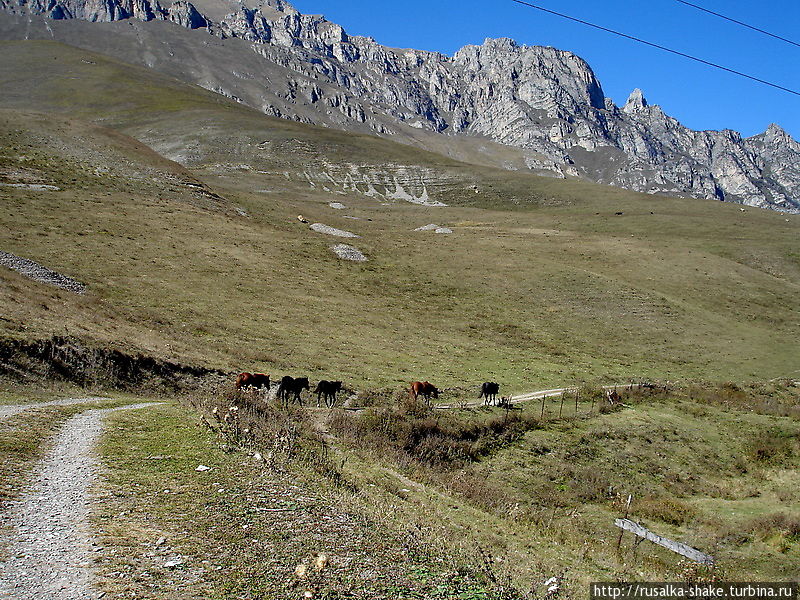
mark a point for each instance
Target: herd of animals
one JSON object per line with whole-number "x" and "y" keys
{"x": 291, "y": 388}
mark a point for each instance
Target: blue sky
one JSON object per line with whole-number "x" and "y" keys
{"x": 699, "y": 96}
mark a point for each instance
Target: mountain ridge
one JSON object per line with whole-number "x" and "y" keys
{"x": 544, "y": 104}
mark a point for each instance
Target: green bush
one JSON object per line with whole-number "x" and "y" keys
{"x": 668, "y": 510}
{"x": 414, "y": 431}
{"x": 771, "y": 447}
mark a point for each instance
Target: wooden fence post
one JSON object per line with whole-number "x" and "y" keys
{"x": 621, "y": 531}
{"x": 678, "y": 547}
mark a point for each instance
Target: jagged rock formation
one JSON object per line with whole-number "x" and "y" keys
{"x": 545, "y": 102}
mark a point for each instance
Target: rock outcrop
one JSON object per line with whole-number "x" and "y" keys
{"x": 544, "y": 101}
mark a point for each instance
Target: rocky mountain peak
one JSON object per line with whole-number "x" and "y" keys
{"x": 636, "y": 102}
{"x": 776, "y": 132}
{"x": 544, "y": 103}
{"x": 776, "y": 141}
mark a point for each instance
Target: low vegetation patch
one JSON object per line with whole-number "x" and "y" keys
{"x": 282, "y": 435}
{"x": 773, "y": 447}
{"x": 248, "y": 525}
{"x": 778, "y": 397}
{"x": 784, "y": 524}
{"x": 665, "y": 509}
{"x": 412, "y": 431}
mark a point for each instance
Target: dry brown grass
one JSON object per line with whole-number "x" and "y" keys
{"x": 535, "y": 297}
{"x": 665, "y": 509}
{"x": 441, "y": 440}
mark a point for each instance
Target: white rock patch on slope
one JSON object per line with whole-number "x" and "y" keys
{"x": 346, "y": 252}
{"x": 328, "y": 230}
{"x": 434, "y": 228}
{"x": 37, "y": 187}
{"x": 337, "y": 205}
{"x": 37, "y": 272}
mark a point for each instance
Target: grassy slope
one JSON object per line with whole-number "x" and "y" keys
{"x": 718, "y": 474}
{"x": 715, "y": 468}
{"x": 559, "y": 289}
{"x": 242, "y": 529}
{"x": 691, "y": 474}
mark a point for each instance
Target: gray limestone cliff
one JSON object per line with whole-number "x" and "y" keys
{"x": 545, "y": 102}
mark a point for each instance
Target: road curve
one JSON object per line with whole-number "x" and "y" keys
{"x": 11, "y": 410}
{"x": 538, "y": 395}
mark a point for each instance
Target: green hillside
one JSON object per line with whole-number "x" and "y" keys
{"x": 542, "y": 282}
{"x": 179, "y": 210}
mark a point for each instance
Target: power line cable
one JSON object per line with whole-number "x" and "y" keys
{"x": 743, "y": 24}
{"x": 664, "y": 48}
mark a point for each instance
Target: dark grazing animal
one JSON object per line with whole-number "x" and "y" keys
{"x": 329, "y": 389}
{"x": 253, "y": 380}
{"x": 291, "y": 387}
{"x": 489, "y": 391}
{"x": 612, "y": 396}
{"x": 424, "y": 389}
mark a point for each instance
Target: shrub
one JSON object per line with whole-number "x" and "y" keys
{"x": 771, "y": 447}
{"x": 248, "y": 421}
{"x": 413, "y": 430}
{"x": 668, "y": 510}
{"x": 786, "y": 525}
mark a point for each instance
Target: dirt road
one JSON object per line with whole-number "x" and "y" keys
{"x": 11, "y": 410}
{"x": 50, "y": 546}
{"x": 538, "y": 395}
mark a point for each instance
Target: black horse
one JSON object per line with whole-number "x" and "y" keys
{"x": 329, "y": 389}
{"x": 291, "y": 387}
{"x": 489, "y": 391}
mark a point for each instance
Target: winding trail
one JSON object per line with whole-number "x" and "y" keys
{"x": 14, "y": 409}
{"x": 518, "y": 398}
{"x": 50, "y": 546}
{"x": 538, "y": 395}
{"x": 515, "y": 399}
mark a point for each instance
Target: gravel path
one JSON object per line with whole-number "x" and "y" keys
{"x": 39, "y": 273}
{"x": 11, "y": 410}
{"x": 50, "y": 547}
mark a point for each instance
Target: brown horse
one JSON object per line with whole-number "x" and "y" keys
{"x": 424, "y": 389}
{"x": 253, "y": 380}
